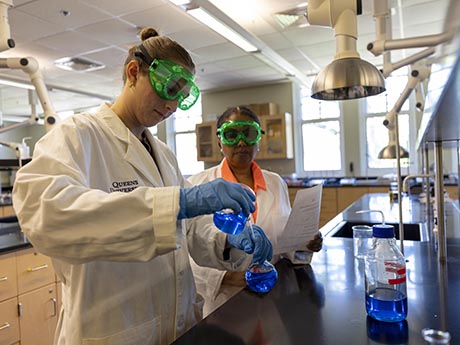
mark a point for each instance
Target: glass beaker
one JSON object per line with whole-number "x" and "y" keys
{"x": 434, "y": 336}
{"x": 229, "y": 222}
{"x": 362, "y": 240}
{"x": 260, "y": 277}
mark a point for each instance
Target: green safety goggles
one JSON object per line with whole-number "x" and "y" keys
{"x": 230, "y": 133}
{"x": 171, "y": 81}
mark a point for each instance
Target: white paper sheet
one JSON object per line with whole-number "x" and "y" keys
{"x": 303, "y": 221}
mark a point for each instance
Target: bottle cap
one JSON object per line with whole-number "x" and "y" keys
{"x": 383, "y": 231}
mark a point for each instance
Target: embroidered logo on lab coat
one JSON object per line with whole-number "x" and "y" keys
{"x": 124, "y": 186}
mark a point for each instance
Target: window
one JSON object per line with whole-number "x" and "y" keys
{"x": 376, "y": 134}
{"x": 185, "y": 139}
{"x": 321, "y": 136}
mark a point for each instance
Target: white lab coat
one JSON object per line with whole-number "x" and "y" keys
{"x": 87, "y": 200}
{"x": 272, "y": 214}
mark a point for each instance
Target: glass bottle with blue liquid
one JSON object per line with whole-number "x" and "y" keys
{"x": 385, "y": 277}
{"x": 260, "y": 277}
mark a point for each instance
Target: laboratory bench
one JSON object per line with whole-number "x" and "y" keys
{"x": 324, "y": 302}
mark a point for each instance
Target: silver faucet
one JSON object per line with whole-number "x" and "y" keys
{"x": 408, "y": 177}
{"x": 369, "y": 211}
{"x": 428, "y": 203}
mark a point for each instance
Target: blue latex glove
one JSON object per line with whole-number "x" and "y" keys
{"x": 214, "y": 196}
{"x": 258, "y": 244}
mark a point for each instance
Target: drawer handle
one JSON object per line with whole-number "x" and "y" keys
{"x": 54, "y": 306}
{"x": 38, "y": 268}
{"x": 5, "y": 325}
{"x": 3, "y": 279}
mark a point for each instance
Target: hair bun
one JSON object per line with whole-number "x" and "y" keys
{"x": 146, "y": 33}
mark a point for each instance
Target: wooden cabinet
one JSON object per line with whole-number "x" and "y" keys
{"x": 9, "y": 322}
{"x": 328, "y": 203}
{"x": 348, "y": 195}
{"x": 8, "y": 277}
{"x": 452, "y": 191}
{"x": 277, "y": 141}
{"x": 206, "y": 142}
{"x": 28, "y": 298}
{"x": 7, "y": 211}
{"x": 34, "y": 270}
{"x": 382, "y": 189}
{"x": 292, "y": 191}
{"x": 335, "y": 199}
{"x": 38, "y": 315}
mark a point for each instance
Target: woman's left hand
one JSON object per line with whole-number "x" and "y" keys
{"x": 316, "y": 244}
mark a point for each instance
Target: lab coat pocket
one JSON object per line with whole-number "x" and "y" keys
{"x": 148, "y": 333}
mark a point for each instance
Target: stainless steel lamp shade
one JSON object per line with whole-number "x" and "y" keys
{"x": 389, "y": 152}
{"x": 348, "y": 78}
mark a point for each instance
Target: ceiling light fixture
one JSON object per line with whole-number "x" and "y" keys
{"x": 347, "y": 76}
{"x": 221, "y": 28}
{"x": 78, "y": 64}
{"x": 210, "y": 15}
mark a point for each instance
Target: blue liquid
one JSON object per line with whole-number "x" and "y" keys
{"x": 386, "y": 305}
{"x": 229, "y": 223}
{"x": 261, "y": 278}
{"x": 388, "y": 332}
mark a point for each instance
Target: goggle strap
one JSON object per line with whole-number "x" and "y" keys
{"x": 144, "y": 55}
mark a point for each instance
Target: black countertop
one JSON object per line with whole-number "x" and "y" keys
{"x": 324, "y": 303}
{"x": 11, "y": 237}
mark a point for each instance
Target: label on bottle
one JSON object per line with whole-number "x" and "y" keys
{"x": 392, "y": 273}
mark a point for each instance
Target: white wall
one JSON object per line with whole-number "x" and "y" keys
{"x": 215, "y": 103}
{"x": 16, "y": 135}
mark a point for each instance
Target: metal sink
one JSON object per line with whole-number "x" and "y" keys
{"x": 412, "y": 232}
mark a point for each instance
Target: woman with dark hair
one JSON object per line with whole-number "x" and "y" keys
{"x": 106, "y": 201}
{"x": 238, "y": 135}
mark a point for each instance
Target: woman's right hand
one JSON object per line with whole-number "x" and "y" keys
{"x": 214, "y": 196}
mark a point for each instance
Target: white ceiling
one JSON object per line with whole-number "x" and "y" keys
{"x": 102, "y": 30}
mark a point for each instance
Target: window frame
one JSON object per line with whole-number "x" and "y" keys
{"x": 298, "y": 138}
{"x": 171, "y": 134}
{"x": 406, "y": 165}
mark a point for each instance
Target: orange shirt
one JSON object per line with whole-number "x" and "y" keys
{"x": 259, "y": 181}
